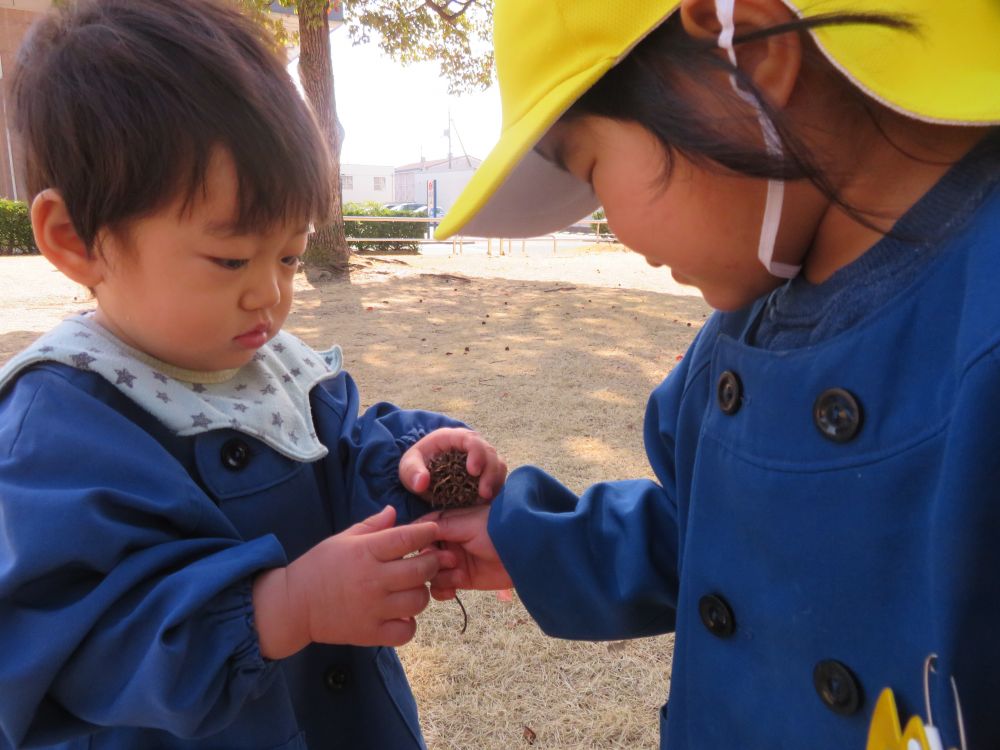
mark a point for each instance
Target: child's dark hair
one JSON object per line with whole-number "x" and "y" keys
{"x": 651, "y": 87}
{"x": 121, "y": 103}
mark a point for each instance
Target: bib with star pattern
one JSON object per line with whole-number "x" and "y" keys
{"x": 268, "y": 398}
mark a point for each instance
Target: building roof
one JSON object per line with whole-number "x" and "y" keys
{"x": 436, "y": 165}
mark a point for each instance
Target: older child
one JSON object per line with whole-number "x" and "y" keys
{"x": 824, "y": 529}
{"x": 198, "y": 544}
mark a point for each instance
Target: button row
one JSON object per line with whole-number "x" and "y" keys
{"x": 835, "y": 683}
{"x": 837, "y": 413}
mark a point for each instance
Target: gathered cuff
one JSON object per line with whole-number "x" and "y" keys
{"x": 247, "y": 658}
{"x": 408, "y": 506}
{"x": 234, "y": 615}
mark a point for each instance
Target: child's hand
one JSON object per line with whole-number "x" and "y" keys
{"x": 468, "y": 558}
{"x": 483, "y": 461}
{"x": 352, "y": 588}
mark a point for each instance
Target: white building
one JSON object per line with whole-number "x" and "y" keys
{"x": 361, "y": 183}
{"x": 416, "y": 182}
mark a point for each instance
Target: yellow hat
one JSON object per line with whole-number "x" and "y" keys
{"x": 549, "y": 52}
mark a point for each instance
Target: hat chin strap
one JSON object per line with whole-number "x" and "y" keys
{"x": 775, "y": 188}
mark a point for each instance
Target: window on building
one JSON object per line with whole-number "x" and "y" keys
{"x": 346, "y": 182}
{"x": 380, "y": 183}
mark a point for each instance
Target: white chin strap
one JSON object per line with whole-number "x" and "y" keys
{"x": 775, "y": 188}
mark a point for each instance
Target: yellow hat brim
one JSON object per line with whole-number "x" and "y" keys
{"x": 945, "y": 71}
{"x": 514, "y": 144}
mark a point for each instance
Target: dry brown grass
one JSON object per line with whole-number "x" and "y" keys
{"x": 552, "y": 359}
{"x": 504, "y": 679}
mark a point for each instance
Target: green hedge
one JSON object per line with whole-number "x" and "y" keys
{"x": 601, "y": 229}
{"x": 15, "y": 229}
{"x": 356, "y": 231}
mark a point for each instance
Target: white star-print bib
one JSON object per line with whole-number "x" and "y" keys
{"x": 268, "y": 398}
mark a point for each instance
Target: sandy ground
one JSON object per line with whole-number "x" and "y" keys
{"x": 552, "y": 358}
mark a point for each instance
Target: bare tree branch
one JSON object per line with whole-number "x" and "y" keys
{"x": 442, "y": 10}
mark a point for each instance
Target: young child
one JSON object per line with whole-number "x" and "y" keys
{"x": 198, "y": 525}
{"x": 824, "y": 526}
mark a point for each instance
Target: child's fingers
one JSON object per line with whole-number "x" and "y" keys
{"x": 449, "y": 580}
{"x": 492, "y": 479}
{"x": 415, "y": 477}
{"x": 442, "y": 594}
{"x": 481, "y": 454}
{"x": 392, "y": 544}
{"x": 431, "y": 517}
{"x": 447, "y": 558}
{"x": 400, "y": 575}
{"x": 395, "y": 632}
{"x": 384, "y": 519}
{"x": 484, "y": 462}
{"x": 478, "y": 454}
{"x": 413, "y": 471}
{"x": 405, "y": 604}
{"x": 461, "y": 525}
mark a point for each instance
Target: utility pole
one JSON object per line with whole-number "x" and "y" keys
{"x": 447, "y": 132}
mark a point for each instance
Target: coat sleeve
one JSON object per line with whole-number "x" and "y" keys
{"x": 124, "y": 592}
{"x": 365, "y": 448}
{"x": 603, "y": 565}
{"x": 598, "y": 567}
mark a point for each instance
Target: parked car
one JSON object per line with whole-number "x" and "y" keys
{"x": 419, "y": 209}
{"x": 415, "y": 207}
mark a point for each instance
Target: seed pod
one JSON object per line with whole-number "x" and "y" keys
{"x": 452, "y": 486}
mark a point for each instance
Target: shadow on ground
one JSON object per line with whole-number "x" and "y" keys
{"x": 556, "y": 374}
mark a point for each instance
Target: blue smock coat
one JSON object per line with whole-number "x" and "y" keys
{"x": 126, "y": 564}
{"x": 823, "y": 519}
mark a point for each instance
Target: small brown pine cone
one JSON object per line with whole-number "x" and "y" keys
{"x": 451, "y": 484}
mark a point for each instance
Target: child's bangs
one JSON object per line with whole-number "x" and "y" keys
{"x": 283, "y": 166}
{"x": 281, "y": 177}
{"x": 122, "y": 104}
{"x": 295, "y": 189}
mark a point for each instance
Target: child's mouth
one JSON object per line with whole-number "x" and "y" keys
{"x": 255, "y": 338}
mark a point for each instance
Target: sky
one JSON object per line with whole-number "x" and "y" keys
{"x": 391, "y": 113}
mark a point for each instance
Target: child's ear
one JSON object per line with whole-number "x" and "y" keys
{"x": 59, "y": 242}
{"x": 773, "y": 62}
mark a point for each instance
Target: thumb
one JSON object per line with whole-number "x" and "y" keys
{"x": 413, "y": 471}
{"x": 384, "y": 519}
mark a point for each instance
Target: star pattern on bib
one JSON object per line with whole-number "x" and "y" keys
{"x": 268, "y": 398}
{"x": 83, "y": 360}
{"x": 124, "y": 376}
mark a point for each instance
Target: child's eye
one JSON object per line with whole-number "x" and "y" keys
{"x": 291, "y": 260}
{"x": 230, "y": 264}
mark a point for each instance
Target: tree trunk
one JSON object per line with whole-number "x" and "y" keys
{"x": 327, "y": 254}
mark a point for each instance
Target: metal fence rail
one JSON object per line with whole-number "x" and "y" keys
{"x": 459, "y": 241}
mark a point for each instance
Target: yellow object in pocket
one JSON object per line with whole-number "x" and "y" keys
{"x": 884, "y": 732}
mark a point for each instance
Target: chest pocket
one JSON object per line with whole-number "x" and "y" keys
{"x": 232, "y": 464}
{"x": 263, "y": 492}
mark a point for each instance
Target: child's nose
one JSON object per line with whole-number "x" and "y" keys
{"x": 263, "y": 292}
